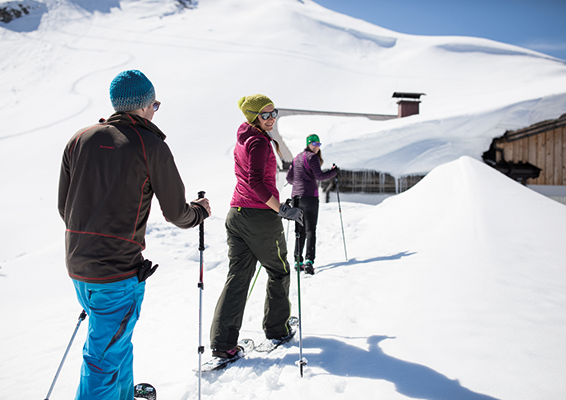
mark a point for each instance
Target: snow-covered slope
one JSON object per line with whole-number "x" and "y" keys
{"x": 459, "y": 278}
{"x": 55, "y": 79}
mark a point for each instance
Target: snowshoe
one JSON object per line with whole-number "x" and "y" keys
{"x": 269, "y": 345}
{"x": 220, "y": 361}
{"x": 309, "y": 268}
{"x": 145, "y": 391}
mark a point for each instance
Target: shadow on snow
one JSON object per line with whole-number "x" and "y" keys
{"x": 355, "y": 261}
{"x": 410, "y": 379}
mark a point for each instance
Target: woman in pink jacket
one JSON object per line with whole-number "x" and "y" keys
{"x": 255, "y": 233}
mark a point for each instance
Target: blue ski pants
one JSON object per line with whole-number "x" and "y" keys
{"x": 113, "y": 310}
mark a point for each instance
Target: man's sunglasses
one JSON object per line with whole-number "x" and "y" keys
{"x": 156, "y": 105}
{"x": 265, "y": 115}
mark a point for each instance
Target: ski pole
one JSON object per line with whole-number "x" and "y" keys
{"x": 302, "y": 361}
{"x": 288, "y": 202}
{"x": 201, "y": 287}
{"x": 81, "y": 318}
{"x": 340, "y": 211}
{"x": 253, "y": 285}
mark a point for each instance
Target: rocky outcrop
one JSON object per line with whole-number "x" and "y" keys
{"x": 9, "y": 13}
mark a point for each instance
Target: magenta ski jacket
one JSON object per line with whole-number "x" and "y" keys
{"x": 255, "y": 167}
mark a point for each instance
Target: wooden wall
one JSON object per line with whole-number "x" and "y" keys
{"x": 371, "y": 182}
{"x": 546, "y": 150}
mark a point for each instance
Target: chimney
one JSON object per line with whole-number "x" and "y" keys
{"x": 408, "y": 103}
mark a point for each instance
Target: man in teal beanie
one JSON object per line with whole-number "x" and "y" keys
{"x": 131, "y": 90}
{"x": 109, "y": 174}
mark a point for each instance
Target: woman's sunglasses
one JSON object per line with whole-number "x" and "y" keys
{"x": 316, "y": 144}
{"x": 265, "y": 115}
{"x": 156, "y": 105}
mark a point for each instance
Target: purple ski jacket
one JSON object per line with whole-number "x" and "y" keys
{"x": 304, "y": 173}
{"x": 255, "y": 168}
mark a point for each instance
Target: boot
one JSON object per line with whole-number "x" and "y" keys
{"x": 309, "y": 268}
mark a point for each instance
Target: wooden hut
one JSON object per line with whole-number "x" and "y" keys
{"x": 371, "y": 182}
{"x": 367, "y": 181}
{"x": 534, "y": 155}
{"x": 287, "y": 157}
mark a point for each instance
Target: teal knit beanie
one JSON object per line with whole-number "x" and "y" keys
{"x": 131, "y": 90}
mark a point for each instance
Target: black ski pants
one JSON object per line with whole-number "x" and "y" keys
{"x": 307, "y": 231}
{"x": 253, "y": 235}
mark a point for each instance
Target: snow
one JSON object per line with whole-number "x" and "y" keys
{"x": 452, "y": 290}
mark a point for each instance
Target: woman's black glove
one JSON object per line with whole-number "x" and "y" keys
{"x": 335, "y": 168}
{"x": 293, "y": 213}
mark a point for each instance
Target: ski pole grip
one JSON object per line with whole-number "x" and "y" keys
{"x": 201, "y": 226}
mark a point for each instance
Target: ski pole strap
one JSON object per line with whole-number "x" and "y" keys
{"x": 146, "y": 270}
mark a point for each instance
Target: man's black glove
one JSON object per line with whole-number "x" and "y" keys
{"x": 293, "y": 213}
{"x": 146, "y": 270}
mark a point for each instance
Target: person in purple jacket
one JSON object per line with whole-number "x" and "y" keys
{"x": 304, "y": 175}
{"x": 255, "y": 233}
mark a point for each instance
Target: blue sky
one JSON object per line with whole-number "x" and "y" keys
{"x": 534, "y": 24}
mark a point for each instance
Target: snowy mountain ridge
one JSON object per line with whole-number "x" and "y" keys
{"x": 475, "y": 88}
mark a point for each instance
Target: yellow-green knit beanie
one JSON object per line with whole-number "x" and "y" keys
{"x": 253, "y": 104}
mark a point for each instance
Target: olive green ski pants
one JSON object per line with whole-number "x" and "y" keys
{"x": 253, "y": 235}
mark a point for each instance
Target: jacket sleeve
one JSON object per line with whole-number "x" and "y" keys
{"x": 258, "y": 151}
{"x": 170, "y": 190}
{"x": 291, "y": 174}
{"x": 314, "y": 163}
{"x": 64, "y": 182}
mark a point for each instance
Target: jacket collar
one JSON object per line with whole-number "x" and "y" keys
{"x": 124, "y": 118}
{"x": 247, "y": 130}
